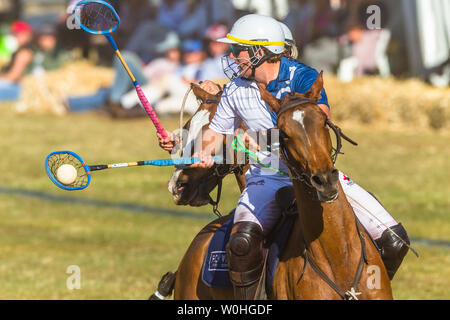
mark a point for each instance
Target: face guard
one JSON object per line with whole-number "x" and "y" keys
{"x": 236, "y": 67}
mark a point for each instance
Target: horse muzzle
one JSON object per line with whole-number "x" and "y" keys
{"x": 326, "y": 185}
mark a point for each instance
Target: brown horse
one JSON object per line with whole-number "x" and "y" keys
{"x": 328, "y": 255}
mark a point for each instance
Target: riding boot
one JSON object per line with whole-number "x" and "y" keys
{"x": 245, "y": 259}
{"x": 393, "y": 249}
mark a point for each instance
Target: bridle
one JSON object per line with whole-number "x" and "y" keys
{"x": 305, "y": 178}
{"x": 294, "y": 102}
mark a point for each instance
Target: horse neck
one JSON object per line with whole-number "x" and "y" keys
{"x": 328, "y": 229}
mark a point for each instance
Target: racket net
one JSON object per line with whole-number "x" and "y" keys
{"x": 58, "y": 159}
{"x": 96, "y": 17}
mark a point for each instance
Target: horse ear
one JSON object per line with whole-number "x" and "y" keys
{"x": 200, "y": 93}
{"x": 273, "y": 102}
{"x": 314, "y": 92}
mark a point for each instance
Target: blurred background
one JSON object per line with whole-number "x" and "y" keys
{"x": 387, "y": 75}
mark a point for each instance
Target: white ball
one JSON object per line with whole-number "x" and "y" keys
{"x": 66, "y": 174}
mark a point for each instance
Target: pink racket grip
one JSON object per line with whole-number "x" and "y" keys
{"x": 150, "y": 111}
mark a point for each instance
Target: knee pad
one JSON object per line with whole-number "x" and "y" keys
{"x": 247, "y": 237}
{"x": 245, "y": 253}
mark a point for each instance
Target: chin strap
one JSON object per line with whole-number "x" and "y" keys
{"x": 259, "y": 62}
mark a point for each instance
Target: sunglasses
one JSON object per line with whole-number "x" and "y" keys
{"x": 237, "y": 49}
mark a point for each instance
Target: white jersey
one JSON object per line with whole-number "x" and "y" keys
{"x": 241, "y": 102}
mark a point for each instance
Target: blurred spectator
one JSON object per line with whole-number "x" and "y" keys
{"x": 193, "y": 57}
{"x": 368, "y": 47}
{"x": 107, "y": 97}
{"x": 156, "y": 72}
{"x": 68, "y": 33}
{"x": 171, "y": 13}
{"x": 212, "y": 68}
{"x": 133, "y": 13}
{"x": 144, "y": 40}
{"x": 48, "y": 55}
{"x": 220, "y": 12}
{"x": 194, "y": 22}
{"x": 300, "y": 21}
{"x": 324, "y": 23}
{"x": 316, "y": 30}
{"x": 121, "y": 100}
{"x": 20, "y": 62}
{"x": 166, "y": 94}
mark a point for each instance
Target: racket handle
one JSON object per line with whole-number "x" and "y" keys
{"x": 174, "y": 162}
{"x": 98, "y": 167}
{"x": 150, "y": 111}
{"x": 148, "y": 108}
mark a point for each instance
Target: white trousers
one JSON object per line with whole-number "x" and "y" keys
{"x": 257, "y": 204}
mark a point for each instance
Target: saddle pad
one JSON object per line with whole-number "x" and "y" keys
{"x": 215, "y": 268}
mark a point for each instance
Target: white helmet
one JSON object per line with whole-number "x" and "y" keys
{"x": 257, "y": 30}
{"x": 287, "y": 33}
{"x": 291, "y": 48}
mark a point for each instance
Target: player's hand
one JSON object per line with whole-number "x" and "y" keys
{"x": 206, "y": 161}
{"x": 210, "y": 87}
{"x": 167, "y": 143}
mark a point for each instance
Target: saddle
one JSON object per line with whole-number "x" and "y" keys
{"x": 215, "y": 271}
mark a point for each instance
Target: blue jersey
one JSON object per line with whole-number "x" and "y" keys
{"x": 294, "y": 77}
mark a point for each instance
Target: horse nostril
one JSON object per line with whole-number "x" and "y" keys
{"x": 180, "y": 187}
{"x": 318, "y": 179}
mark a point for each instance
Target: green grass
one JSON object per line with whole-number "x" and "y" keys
{"x": 123, "y": 253}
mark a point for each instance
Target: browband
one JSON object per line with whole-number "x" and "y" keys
{"x": 294, "y": 102}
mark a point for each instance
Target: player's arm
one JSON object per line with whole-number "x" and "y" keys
{"x": 23, "y": 59}
{"x": 212, "y": 143}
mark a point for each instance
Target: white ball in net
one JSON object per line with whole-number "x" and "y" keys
{"x": 66, "y": 174}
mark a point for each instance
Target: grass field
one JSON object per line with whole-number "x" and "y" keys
{"x": 124, "y": 231}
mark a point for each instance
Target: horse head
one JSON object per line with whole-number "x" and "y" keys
{"x": 305, "y": 139}
{"x": 191, "y": 186}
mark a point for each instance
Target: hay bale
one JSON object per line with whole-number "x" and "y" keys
{"x": 389, "y": 102}
{"x": 46, "y": 92}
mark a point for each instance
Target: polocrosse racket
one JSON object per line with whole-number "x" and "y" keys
{"x": 83, "y": 171}
{"x": 99, "y": 18}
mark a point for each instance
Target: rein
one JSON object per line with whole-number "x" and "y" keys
{"x": 345, "y": 295}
